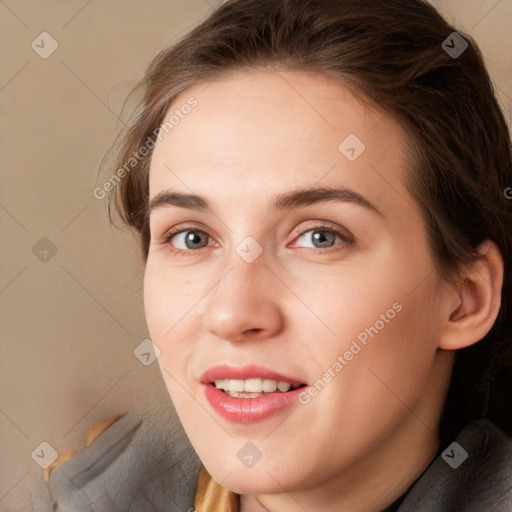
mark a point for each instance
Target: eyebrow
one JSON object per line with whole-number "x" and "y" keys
{"x": 281, "y": 201}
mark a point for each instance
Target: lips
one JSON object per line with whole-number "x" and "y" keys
{"x": 247, "y": 407}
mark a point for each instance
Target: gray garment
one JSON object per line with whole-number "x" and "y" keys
{"x": 145, "y": 463}
{"x": 481, "y": 483}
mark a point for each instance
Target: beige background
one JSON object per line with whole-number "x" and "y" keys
{"x": 69, "y": 325}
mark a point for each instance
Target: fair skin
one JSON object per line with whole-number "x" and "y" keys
{"x": 372, "y": 430}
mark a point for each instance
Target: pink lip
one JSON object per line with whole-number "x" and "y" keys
{"x": 248, "y": 410}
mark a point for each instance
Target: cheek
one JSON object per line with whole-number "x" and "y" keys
{"x": 382, "y": 373}
{"x": 170, "y": 297}
{"x": 381, "y": 323}
{"x": 170, "y": 328}
{"x": 365, "y": 300}
{"x": 387, "y": 345}
{"x": 168, "y": 305}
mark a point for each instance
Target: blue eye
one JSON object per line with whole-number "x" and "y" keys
{"x": 325, "y": 238}
{"x": 191, "y": 240}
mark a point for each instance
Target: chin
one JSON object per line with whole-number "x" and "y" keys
{"x": 265, "y": 477}
{"x": 255, "y": 482}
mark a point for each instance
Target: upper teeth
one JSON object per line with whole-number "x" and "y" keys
{"x": 252, "y": 385}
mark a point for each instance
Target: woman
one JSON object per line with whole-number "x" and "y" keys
{"x": 319, "y": 191}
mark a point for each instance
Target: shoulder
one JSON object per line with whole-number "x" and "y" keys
{"x": 472, "y": 474}
{"x": 488, "y": 478}
{"x": 130, "y": 462}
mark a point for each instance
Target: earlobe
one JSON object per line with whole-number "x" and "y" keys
{"x": 477, "y": 298}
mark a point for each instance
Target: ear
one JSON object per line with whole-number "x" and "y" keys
{"x": 473, "y": 304}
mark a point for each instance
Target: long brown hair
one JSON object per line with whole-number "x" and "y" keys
{"x": 396, "y": 53}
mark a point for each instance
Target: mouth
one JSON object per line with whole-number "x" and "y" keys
{"x": 250, "y": 393}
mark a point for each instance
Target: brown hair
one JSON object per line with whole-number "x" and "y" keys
{"x": 391, "y": 52}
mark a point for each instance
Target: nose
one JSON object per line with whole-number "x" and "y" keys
{"x": 245, "y": 303}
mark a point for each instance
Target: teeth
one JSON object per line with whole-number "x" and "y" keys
{"x": 283, "y": 386}
{"x": 236, "y": 385}
{"x": 252, "y": 386}
{"x": 243, "y": 394}
{"x": 269, "y": 386}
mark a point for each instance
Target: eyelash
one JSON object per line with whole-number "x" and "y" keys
{"x": 167, "y": 237}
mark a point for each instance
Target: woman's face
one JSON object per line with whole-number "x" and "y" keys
{"x": 332, "y": 290}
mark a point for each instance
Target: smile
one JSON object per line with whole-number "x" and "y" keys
{"x": 249, "y": 394}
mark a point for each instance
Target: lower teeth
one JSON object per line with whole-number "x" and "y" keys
{"x": 246, "y": 394}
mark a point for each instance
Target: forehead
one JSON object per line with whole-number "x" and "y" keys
{"x": 257, "y": 133}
